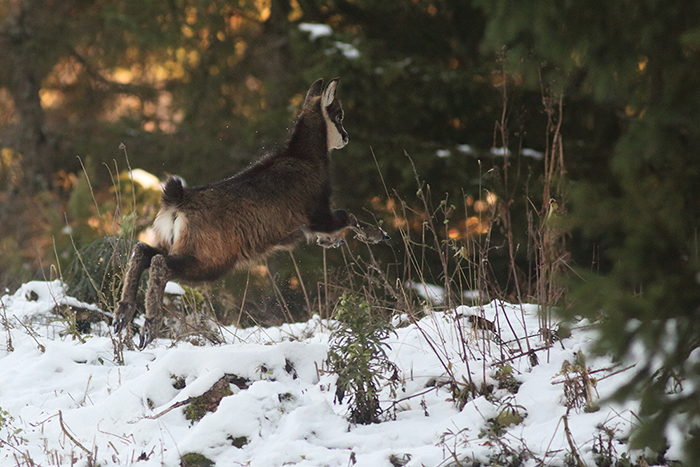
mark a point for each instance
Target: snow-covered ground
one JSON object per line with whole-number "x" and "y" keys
{"x": 67, "y": 402}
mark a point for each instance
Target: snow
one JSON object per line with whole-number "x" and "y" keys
{"x": 505, "y": 152}
{"x": 470, "y": 150}
{"x": 434, "y": 294}
{"x": 174, "y": 288}
{"x": 69, "y": 397}
{"x": 316, "y": 30}
{"x": 532, "y": 153}
{"x": 465, "y": 149}
{"x": 348, "y": 50}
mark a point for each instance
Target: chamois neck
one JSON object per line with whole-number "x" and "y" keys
{"x": 309, "y": 139}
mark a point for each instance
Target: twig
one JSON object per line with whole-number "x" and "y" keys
{"x": 570, "y": 440}
{"x": 325, "y": 289}
{"x": 418, "y": 394}
{"x": 282, "y": 301}
{"x": 172, "y": 407}
{"x": 521, "y": 355}
{"x": 92, "y": 193}
{"x": 87, "y": 388}
{"x": 6, "y": 325}
{"x": 77, "y": 443}
{"x": 613, "y": 373}
{"x": 32, "y": 333}
{"x": 301, "y": 282}
{"x": 590, "y": 372}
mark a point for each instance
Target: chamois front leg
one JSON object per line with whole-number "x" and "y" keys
{"x": 329, "y": 229}
{"x": 333, "y": 240}
{"x": 159, "y": 276}
{"x": 140, "y": 260}
{"x": 368, "y": 233}
{"x": 365, "y": 232}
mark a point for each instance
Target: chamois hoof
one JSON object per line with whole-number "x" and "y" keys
{"x": 330, "y": 242}
{"x": 374, "y": 236}
{"x": 123, "y": 315}
{"x": 149, "y": 332}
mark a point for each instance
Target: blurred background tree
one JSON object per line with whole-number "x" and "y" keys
{"x": 201, "y": 88}
{"x": 461, "y": 93}
{"x": 638, "y": 63}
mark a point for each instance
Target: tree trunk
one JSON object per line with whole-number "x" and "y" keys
{"x": 277, "y": 52}
{"x": 30, "y": 141}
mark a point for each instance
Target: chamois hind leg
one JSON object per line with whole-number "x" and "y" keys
{"x": 159, "y": 276}
{"x": 140, "y": 260}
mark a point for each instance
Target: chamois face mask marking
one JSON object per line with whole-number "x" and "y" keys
{"x": 333, "y": 115}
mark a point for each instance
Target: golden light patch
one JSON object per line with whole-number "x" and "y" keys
{"x": 476, "y": 226}
{"x": 122, "y": 75}
{"x": 293, "y": 283}
{"x": 50, "y": 98}
{"x": 643, "y": 63}
{"x": 481, "y": 206}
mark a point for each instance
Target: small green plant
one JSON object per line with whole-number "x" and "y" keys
{"x": 95, "y": 275}
{"x": 509, "y": 414}
{"x": 506, "y": 379}
{"x": 358, "y": 357}
{"x": 604, "y": 453}
{"x": 72, "y": 327}
{"x": 462, "y": 392}
{"x": 9, "y": 434}
{"x": 579, "y": 386}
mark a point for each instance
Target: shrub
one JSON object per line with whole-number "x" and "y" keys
{"x": 358, "y": 357}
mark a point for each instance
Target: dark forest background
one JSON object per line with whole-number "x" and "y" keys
{"x": 508, "y": 114}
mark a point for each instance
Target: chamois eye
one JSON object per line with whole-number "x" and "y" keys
{"x": 339, "y": 118}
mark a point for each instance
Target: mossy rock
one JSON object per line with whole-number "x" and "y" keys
{"x": 195, "y": 459}
{"x": 238, "y": 441}
{"x": 178, "y": 382}
{"x": 209, "y": 401}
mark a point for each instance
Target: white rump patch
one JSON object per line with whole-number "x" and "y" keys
{"x": 168, "y": 226}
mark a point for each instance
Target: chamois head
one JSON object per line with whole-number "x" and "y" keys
{"x": 323, "y": 104}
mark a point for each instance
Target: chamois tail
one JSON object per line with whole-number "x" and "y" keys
{"x": 173, "y": 192}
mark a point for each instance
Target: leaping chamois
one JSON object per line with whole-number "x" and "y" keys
{"x": 203, "y": 232}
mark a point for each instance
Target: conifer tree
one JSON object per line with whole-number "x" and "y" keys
{"x": 641, "y": 204}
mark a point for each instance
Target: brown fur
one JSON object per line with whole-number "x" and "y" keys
{"x": 204, "y": 232}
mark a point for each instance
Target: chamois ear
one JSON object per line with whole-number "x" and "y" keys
{"x": 329, "y": 93}
{"x": 314, "y": 91}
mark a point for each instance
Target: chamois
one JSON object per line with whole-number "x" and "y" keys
{"x": 205, "y": 231}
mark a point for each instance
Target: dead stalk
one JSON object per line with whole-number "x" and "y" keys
{"x": 72, "y": 438}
